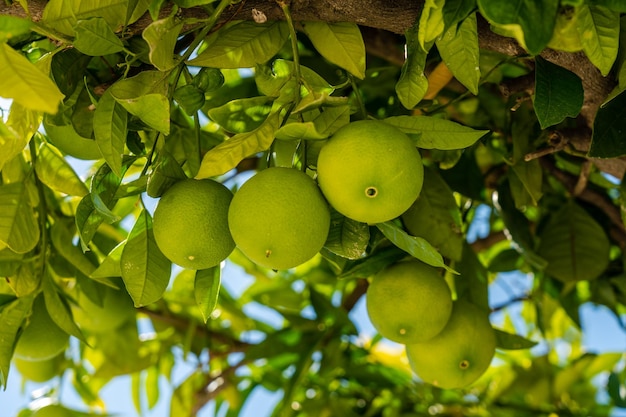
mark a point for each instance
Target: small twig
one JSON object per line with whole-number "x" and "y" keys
{"x": 510, "y": 302}
{"x": 352, "y": 298}
{"x": 556, "y": 141}
{"x": 583, "y": 178}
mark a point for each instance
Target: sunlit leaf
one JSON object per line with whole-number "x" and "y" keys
{"x": 11, "y": 27}
{"x": 54, "y": 171}
{"x": 19, "y": 228}
{"x": 598, "y": 28}
{"x": 458, "y": 48}
{"x": 62, "y": 15}
{"x": 431, "y": 23}
{"x": 505, "y": 340}
{"x": 206, "y": 290}
{"x": 110, "y": 127}
{"x": 243, "y": 45}
{"x": 242, "y": 115}
{"x": 94, "y": 37}
{"x": 26, "y": 84}
{"x": 145, "y": 270}
{"x": 161, "y": 37}
{"x": 435, "y": 133}
{"x": 12, "y": 315}
{"x": 340, "y": 43}
{"x": 412, "y": 84}
{"x": 229, "y": 153}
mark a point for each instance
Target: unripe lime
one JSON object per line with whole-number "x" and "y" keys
{"x": 42, "y": 338}
{"x": 460, "y": 354}
{"x": 279, "y": 218}
{"x": 409, "y": 302}
{"x": 39, "y": 371}
{"x": 370, "y": 171}
{"x": 191, "y": 223}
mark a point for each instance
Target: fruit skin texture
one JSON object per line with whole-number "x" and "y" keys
{"x": 279, "y": 218}
{"x": 117, "y": 307}
{"x": 409, "y": 302}
{"x": 460, "y": 354}
{"x": 40, "y": 371}
{"x": 190, "y": 223}
{"x": 370, "y": 171}
{"x": 41, "y": 339}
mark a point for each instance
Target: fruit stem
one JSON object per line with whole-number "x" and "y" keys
{"x": 357, "y": 96}
{"x": 294, "y": 47}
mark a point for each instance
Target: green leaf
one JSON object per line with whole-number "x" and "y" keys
{"x": 12, "y": 27}
{"x": 166, "y": 173}
{"x": 431, "y": 23}
{"x": 243, "y": 45}
{"x": 558, "y": 93}
{"x": 598, "y": 28}
{"x": 458, "y": 48}
{"x": 111, "y": 265}
{"x": 229, "y": 153}
{"x": 208, "y": 79}
{"x": 190, "y": 98}
{"x": 161, "y": 36}
{"x": 19, "y": 229}
{"x": 242, "y": 115}
{"x": 510, "y": 341}
{"x": 63, "y": 15}
{"x": 455, "y": 11}
{"x": 340, "y": 43}
{"x": 616, "y": 5}
{"x": 145, "y": 270}
{"x": 415, "y": 246}
{"x": 12, "y": 143}
{"x": 25, "y": 83}
{"x": 472, "y": 281}
{"x": 145, "y": 96}
{"x": 435, "y": 133}
{"x": 62, "y": 237}
{"x": 54, "y": 171}
{"x": 206, "y": 290}
{"x": 617, "y": 390}
{"x": 526, "y": 181}
{"x": 12, "y": 314}
{"x": 299, "y": 131}
{"x": 412, "y": 84}
{"x": 535, "y": 17}
{"x": 574, "y": 244}
{"x": 59, "y": 310}
{"x": 436, "y": 217}
{"x": 94, "y": 37}
{"x": 347, "y": 238}
{"x": 110, "y": 128}
{"x": 609, "y": 125}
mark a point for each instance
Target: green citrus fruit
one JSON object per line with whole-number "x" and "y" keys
{"x": 279, "y": 218}
{"x": 460, "y": 354}
{"x": 191, "y": 223}
{"x": 68, "y": 141}
{"x": 370, "y": 171}
{"x": 409, "y": 302}
{"x": 42, "y": 338}
{"x": 53, "y": 410}
{"x": 116, "y": 308}
{"x": 39, "y": 371}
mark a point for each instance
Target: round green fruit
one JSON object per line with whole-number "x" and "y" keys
{"x": 370, "y": 171}
{"x": 409, "y": 302}
{"x": 460, "y": 353}
{"x": 41, "y": 339}
{"x": 191, "y": 223}
{"x": 40, "y": 371}
{"x": 279, "y": 218}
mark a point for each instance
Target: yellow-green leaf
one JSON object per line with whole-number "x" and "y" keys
{"x": 161, "y": 37}
{"x": 229, "y": 153}
{"x": 21, "y": 81}
{"x": 54, "y": 171}
{"x": 19, "y": 229}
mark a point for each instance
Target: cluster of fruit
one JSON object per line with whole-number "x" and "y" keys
{"x": 450, "y": 344}
{"x": 370, "y": 172}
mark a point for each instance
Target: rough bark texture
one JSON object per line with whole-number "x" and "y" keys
{"x": 382, "y": 21}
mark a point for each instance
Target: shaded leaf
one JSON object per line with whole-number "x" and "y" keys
{"x": 190, "y": 98}
{"x": 229, "y": 153}
{"x": 412, "y": 84}
{"x": 558, "y": 93}
{"x": 59, "y": 310}
{"x": 609, "y": 126}
{"x": 574, "y": 244}
{"x": 145, "y": 270}
{"x": 347, "y": 237}
{"x": 341, "y": 43}
{"x": 242, "y": 115}
{"x": 472, "y": 281}
{"x": 535, "y": 17}
{"x": 110, "y": 128}
{"x": 12, "y": 27}
{"x": 510, "y": 341}
{"x": 12, "y": 314}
